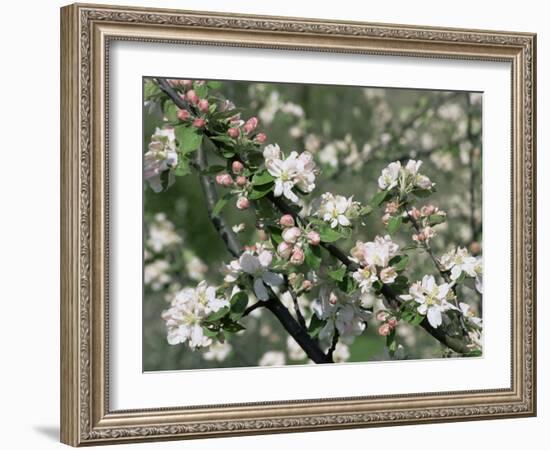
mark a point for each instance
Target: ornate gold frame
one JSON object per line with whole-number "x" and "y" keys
{"x": 86, "y": 31}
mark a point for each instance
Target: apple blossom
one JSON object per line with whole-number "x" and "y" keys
{"x": 237, "y": 167}
{"x": 388, "y": 275}
{"x": 384, "y": 329}
{"x": 199, "y": 122}
{"x": 467, "y": 312}
{"x": 203, "y": 105}
{"x": 286, "y": 220}
{"x": 160, "y": 157}
{"x": 224, "y": 179}
{"x": 250, "y": 125}
{"x": 243, "y": 203}
{"x": 297, "y": 257}
{"x": 192, "y": 97}
{"x": 183, "y": 115}
{"x": 241, "y": 181}
{"x": 313, "y": 238}
{"x": 234, "y": 132}
{"x": 260, "y": 138}
{"x": 291, "y": 234}
{"x": 284, "y": 249}
{"x": 337, "y": 209}
{"x": 431, "y": 297}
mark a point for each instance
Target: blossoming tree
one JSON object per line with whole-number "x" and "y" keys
{"x": 307, "y": 244}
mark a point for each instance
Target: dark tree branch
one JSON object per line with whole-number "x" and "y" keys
{"x": 292, "y": 293}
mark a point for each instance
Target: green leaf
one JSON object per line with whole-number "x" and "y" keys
{"x": 220, "y": 204}
{"x": 189, "y": 138}
{"x": 394, "y": 224}
{"x": 151, "y": 90}
{"x": 328, "y": 234}
{"x": 214, "y": 84}
{"x": 474, "y": 353}
{"x": 220, "y": 115}
{"x": 223, "y": 138}
{"x": 260, "y": 191}
{"x": 348, "y": 285}
{"x": 399, "y": 262}
{"x": 239, "y": 302}
{"x": 231, "y": 326}
{"x": 182, "y": 168}
{"x": 315, "y": 325}
{"x": 170, "y": 111}
{"x": 275, "y": 234}
{"x": 263, "y": 177}
{"x": 378, "y": 199}
{"x": 210, "y": 333}
{"x": 313, "y": 256}
{"x": 201, "y": 89}
{"x": 365, "y": 210}
{"x": 215, "y": 316}
{"x": 338, "y": 274}
{"x": 435, "y": 219}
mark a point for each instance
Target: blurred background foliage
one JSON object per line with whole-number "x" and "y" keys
{"x": 353, "y": 132}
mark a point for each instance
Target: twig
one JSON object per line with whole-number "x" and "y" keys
{"x": 333, "y": 344}
{"x": 292, "y": 293}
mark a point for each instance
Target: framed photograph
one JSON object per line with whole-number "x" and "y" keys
{"x": 277, "y": 225}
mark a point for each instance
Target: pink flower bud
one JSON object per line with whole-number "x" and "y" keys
{"x": 313, "y": 238}
{"x": 203, "y": 105}
{"x": 199, "y": 122}
{"x": 332, "y": 299}
{"x": 428, "y": 210}
{"x": 415, "y": 213}
{"x": 287, "y": 220}
{"x": 234, "y": 133}
{"x": 382, "y": 315}
{"x": 192, "y": 97}
{"x": 224, "y": 179}
{"x": 237, "y": 167}
{"x": 183, "y": 114}
{"x": 250, "y": 125}
{"x": 419, "y": 237}
{"x": 392, "y": 322}
{"x": 243, "y": 203}
{"x": 284, "y": 249}
{"x": 307, "y": 285}
{"x": 384, "y": 329}
{"x": 392, "y": 207}
{"x": 297, "y": 257}
{"x": 291, "y": 234}
{"x": 241, "y": 181}
{"x": 261, "y": 138}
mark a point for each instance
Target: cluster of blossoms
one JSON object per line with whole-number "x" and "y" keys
{"x": 162, "y": 234}
{"x": 424, "y": 218}
{"x": 341, "y": 312}
{"x": 459, "y": 261}
{"x": 160, "y": 157}
{"x": 189, "y": 311}
{"x": 291, "y": 248}
{"x": 239, "y": 129}
{"x": 406, "y": 179}
{"x": 338, "y": 210}
{"x": 156, "y": 274}
{"x": 295, "y": 171}
{"x": 256, "y": 262}
{"x": 374, "y": 258}
{"x": 238, "y": 182}
{"x": 198, "y": 107}
{"x": 432, "y": 298}
{"x": 389, "y": 322}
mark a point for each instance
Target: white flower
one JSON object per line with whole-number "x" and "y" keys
{"x": 255, "y": 265}
{"x": 195, "y": 268}
{"x": 272, "y": 358}
{"x": 469, "y": 314}
{"x": 365, "y": 276}
{"x": 389, "y": 176}
{"x": 341, "y": 353}
{"x": 478, "y": 268}
{"x": 341, "y": 312}
{"x": 155, "y": 274}
{"x": 388, "y": 275}
{"x": 161, "y": 156}
{"x": 337, "y": 209}
{"x": 294, "y": 350}
{"x": 406, "y": 177}
{"x": 375, "y": 253}
{"x": 161, "y": 234}
{"x": 432, "y": 299}
{"x": 296, "y": 170}
{"x": 189, "y": 309}
{"x": 218, "y": 352}
{"x": 458, "y": 261}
